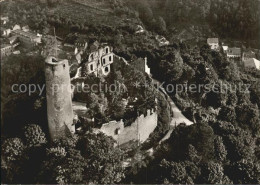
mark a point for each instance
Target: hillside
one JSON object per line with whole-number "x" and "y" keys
{"x": 217, "y": 95}
{"x": 234, "y": 19}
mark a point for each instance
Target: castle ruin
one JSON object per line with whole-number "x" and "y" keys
{"x": 59, "y": 100}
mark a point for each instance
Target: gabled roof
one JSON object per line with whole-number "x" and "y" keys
{"x": 249, "y": 54}
{"x": 212, "y": 40}
{"x": 252, "y": 62}
{"x": 234, "y": 51}
{"x": 25, "y": 34}
{"x": 225, "y": 48}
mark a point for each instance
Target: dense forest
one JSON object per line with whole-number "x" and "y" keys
{"x": 235, "y": 19}
{"x": 222, "y": 147}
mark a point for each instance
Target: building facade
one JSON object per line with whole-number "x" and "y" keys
{"x": 99, "y": 60}
{"x": 252, "y": 63}
{"x": 234, "y": 53}
{"x": 6, "y": 50}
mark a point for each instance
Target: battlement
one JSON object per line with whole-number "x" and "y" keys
{"x": 139, "y": 130}
{"x": 54, "y": 61}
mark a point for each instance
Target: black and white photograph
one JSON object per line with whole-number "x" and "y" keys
{"x": 130, "y": 91}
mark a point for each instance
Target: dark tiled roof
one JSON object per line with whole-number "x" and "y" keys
{"x": 249, "y": 54}
{"x": 234, "y": 51}
{"x": 212, "y": 40}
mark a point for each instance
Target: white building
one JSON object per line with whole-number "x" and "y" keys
{"x": 252, "y": 63}
{"x": 162, "y": 40}
{"x": 225, "y": 48}
{"x": 247, "y": 55}
{"x": 213, "y": 43}
{"x": 234, "y": 53}
{"x": 139, "y": 29}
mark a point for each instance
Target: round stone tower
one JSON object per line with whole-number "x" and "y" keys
{"x": 58, "y": 93}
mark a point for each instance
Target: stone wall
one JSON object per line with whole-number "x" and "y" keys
{"x": 140, "y": 129}
{"x": 59, "y": 101}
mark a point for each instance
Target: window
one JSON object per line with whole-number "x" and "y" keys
{"x": 117, "y": 131}
{"x": 106, "y": 69}
{"x": 104, "y": 60}
{"x": 91, "y": 56}
{"x": 91, "y": 67}
{"x": 64, "y": 66}
{"x": 110, "y": 58}
{"x": 106, "y": 50}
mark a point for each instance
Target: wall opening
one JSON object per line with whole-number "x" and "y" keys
{"x": 117, "y": 131}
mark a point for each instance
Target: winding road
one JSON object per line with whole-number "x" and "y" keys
{"x": 177, "y": 117}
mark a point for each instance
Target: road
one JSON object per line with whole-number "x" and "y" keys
{"x": 177, "y": 117}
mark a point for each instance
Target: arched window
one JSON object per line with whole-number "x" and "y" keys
{"x": 106, "y": 69}
{"x": 107, "y": 50}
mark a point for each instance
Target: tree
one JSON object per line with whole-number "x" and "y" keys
{"x": 178, "y": 173}
{"x": 12, "y": 159}
{"x": 104, "y": 161}
{"x": 172, "y": 172}
{"x": 160, "y": 25}
{"x": 13, "y": 149}
{"x": 172, "y": 67}
{"x": 63, "y": 166}
{"x": 213, "y": 173}
{"x": 145, "y": 12}
{"x": 245, "y": 172}
{"x": 193, "y": 170}
{"x": 248, "y": 117}
{"x": 227, "y": 113}
{"x": 220, "y": 149}
{"x": 34, "y": 136}
{"x": 205, "y": 140}
{"x": 192, "y": 154}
